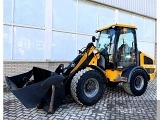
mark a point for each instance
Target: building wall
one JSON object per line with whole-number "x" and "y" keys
{"x": 142, "y": 7}
{"x": 15, "y": 68}
{"x": 44, "y": 32}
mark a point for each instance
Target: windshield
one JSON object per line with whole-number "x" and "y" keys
{"x": 106, "y": 40}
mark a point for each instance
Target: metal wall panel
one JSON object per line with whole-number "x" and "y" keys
{"x": 142, "y": 7}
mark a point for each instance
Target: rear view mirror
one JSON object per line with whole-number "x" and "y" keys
{"x": 93, "y": 38}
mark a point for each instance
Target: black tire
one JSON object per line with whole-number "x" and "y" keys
{"x": 138, "y": 83}
{"x": 82, "y": 92}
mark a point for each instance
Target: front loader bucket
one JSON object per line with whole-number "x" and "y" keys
{"x": 38, "y": 88}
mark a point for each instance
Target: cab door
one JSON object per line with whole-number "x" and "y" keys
{"x": 126, "y": 50}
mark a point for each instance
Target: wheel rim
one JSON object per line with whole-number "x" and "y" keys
{"x": 91, "y": 87}
{"x": 139, "y": 82}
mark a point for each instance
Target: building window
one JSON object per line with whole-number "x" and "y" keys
{"x": 124, "y": 17}
{"x": 28, "y": 44}
{"x": 82, "y": 41}
{"x": 142, "y": 47}
{"x": 29, "y": 12}
{"x": 149, "y": 30}
{"x": 87, "y": 17}
{"x": 138, "y": 21}
{"x": 30, "y": 26}
{"x": 7, "y": 42}
{"x": 63, "y": 46}
{"x": 7, "y": 11}
{"x": 106, "y": 16}
{"x": 64, "y": 14}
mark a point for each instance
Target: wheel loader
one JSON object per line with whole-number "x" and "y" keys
{"x": 111, "y": 58}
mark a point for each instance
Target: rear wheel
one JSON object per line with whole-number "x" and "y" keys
{"x": 138, "y": 83}
{"x": 87, "y": 87}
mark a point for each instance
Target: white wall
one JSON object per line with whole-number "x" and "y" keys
{"x": 55, "y": 30}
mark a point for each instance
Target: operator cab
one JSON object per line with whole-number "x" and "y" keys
{"x": 117, "y": 44}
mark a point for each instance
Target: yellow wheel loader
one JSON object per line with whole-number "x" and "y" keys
{"x": 111, "y": 58}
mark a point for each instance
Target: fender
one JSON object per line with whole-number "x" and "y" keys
{"x": 98, "y": 69}
{"x": 91, "y": 66}
{"x": 128, "y": 72}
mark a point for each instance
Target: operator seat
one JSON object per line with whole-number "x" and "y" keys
{"x": 124, "y": 49}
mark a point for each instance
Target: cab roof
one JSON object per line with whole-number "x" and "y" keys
{"x": 117, "y": 25}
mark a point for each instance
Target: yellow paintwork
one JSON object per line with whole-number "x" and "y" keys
{"x": 94, "y": 60}
{"x": 152, "y": 75}
{"x": 80, "y": 62}
{"x": 113, "y": 74}
{"x": 118, "y": 25}
{"x": 84, "y": 57}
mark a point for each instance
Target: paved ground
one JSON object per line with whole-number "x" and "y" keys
{"x": 115, "y": 105}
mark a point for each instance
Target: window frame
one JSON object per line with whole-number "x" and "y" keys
{"x": 49, "y": 29}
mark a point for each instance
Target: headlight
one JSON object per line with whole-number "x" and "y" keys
{"x": 73, "y": 64}
{"x": 95, "y": 51}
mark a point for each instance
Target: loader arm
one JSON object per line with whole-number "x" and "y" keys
{"x": 85, "y": 58}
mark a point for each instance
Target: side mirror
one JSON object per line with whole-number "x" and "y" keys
{"x": 93, "y": 38}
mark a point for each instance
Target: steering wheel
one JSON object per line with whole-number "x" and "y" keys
{"x": 106, "y": 46}
{"x": 118, "y": 55}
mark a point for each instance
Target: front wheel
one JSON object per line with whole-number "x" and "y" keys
{"x": 138, "y": 83}
{"x": 87, "y": 87}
